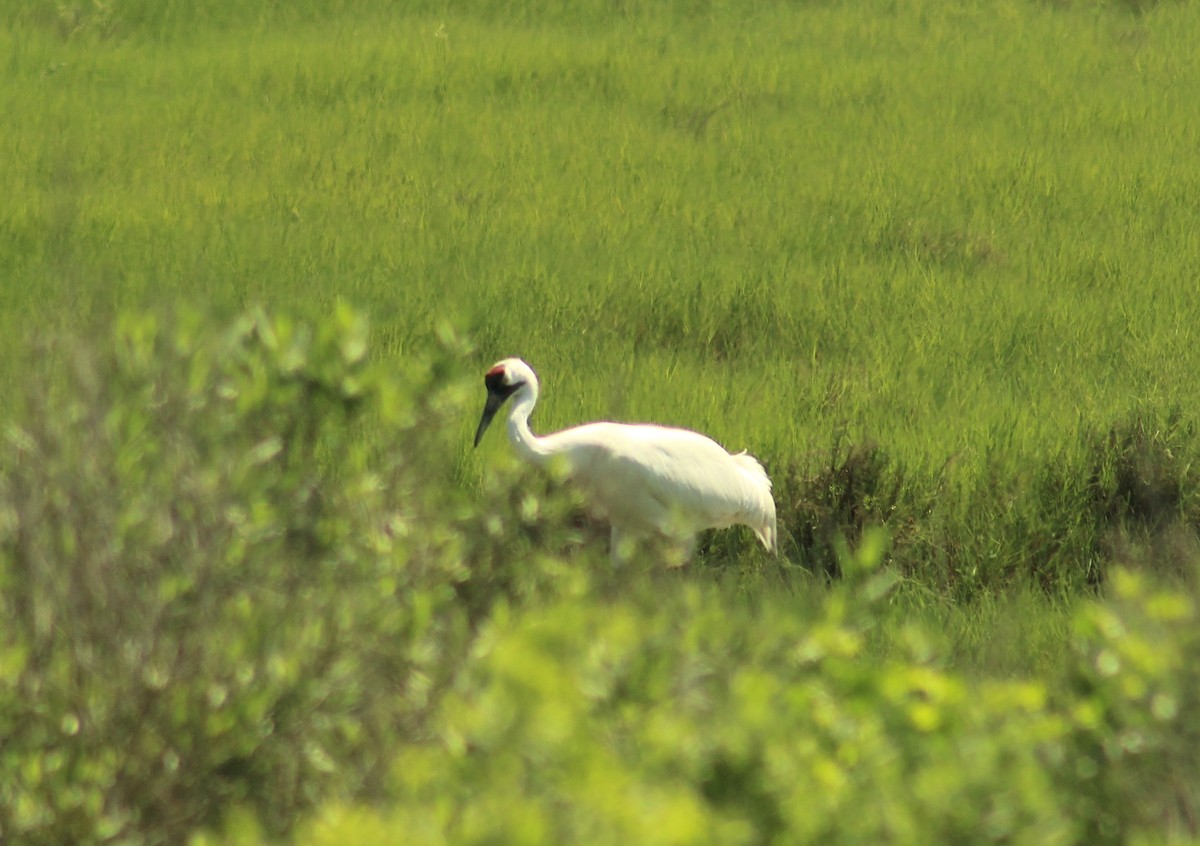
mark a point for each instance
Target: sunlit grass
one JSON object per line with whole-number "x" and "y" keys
{"x": 959, "y": 232}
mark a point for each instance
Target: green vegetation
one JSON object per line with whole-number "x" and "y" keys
{"x": 934, "y": 263}
{"x": 951, "y": 240}
{"x": 239, "y": 597}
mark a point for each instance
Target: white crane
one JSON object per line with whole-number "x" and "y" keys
{"x": 645, "y": 480}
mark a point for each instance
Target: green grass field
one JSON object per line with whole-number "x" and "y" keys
{"x": 960, "y": 233}
{"x": 935, "y": 263}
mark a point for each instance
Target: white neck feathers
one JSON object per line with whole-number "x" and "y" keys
{"x": 527, "y": 444}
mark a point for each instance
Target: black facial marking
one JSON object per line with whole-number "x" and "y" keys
{"x": 498, "y": 393}
{"x": 495, "y": 385}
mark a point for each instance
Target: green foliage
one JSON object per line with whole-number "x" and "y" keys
{"x": 687, "y": 718}
{"x": 702, "y": 723}
{"x": 1135, "y": 712}
{"x": 217, "y": 591}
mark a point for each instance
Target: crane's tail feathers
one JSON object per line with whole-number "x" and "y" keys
{"x": 750, "y": 464}
{"x": 764, "y": 527}
{"x": 768, "y": 535}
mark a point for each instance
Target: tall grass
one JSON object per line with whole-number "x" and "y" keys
{"x": 956, "y": 236}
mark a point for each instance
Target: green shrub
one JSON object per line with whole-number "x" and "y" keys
{"x": 230, "y": 576}
{"x": 686, "y": 719}
{"x": 1135, "y": 712}
{"x": 691, "y": 719}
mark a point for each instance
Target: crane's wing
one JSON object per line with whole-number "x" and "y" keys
{"x": 671, "y": 481}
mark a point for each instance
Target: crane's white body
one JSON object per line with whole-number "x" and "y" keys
{"x": 644, "y": 479}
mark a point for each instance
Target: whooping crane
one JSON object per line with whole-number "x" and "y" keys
{"x": 644, "y": 479}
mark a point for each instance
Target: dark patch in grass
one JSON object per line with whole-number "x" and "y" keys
{"x": 693, "y": 120}
{"x": 1142, "y": 494}
{"x": 1137, "y": 8}
{"x": 933, "y": 245}
{"x": 1129, "y": 499}
{"x": 1137, "y": 476}
{"x": 73, "y": 20}
{"x": 857, "y": 486}
{"x": 718, "y": 324}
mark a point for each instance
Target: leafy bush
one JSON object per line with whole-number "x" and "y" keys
{"x": 687, "y": 719}
{"x": 694, "y": 719}
{"x": 218, "y": 590}
{"x": 1135, "y": 712}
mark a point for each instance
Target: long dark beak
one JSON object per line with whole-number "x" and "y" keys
{"x": 494, "y": 401}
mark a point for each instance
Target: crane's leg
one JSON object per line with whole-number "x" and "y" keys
{"x": 680, "y": 550}
{"x": 621, "y": 545}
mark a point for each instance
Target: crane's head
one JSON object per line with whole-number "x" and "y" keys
{"x": 506, "y": 378}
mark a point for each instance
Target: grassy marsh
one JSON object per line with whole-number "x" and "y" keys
{"x": 934, "y": 263}
{"x": 960, "y": 235}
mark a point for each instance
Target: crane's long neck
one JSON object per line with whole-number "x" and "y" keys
{"x": 528, "y": 445}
